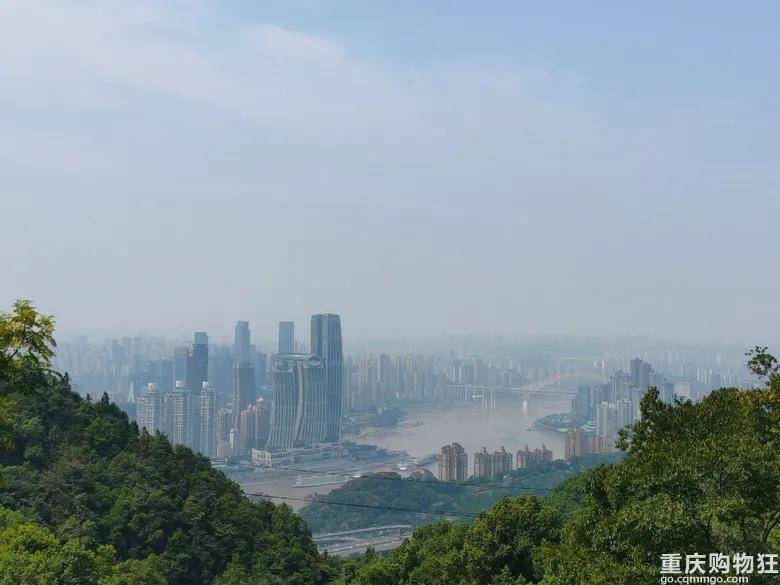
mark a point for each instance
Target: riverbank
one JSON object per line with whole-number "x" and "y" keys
{"x": 425, "y": 428}
{"x": 559, "y": 423}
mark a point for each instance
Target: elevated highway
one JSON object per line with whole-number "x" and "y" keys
{"x": 346, "y": 542}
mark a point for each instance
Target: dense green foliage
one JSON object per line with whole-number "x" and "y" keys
{"x": 26, "y": 343}
{"x": 382, "y": 489}
{"x": 699, "y": 477}
{"x": 94, "y": 500}
{"x": 391, "y": 491}
{"x": 497, "y": 548}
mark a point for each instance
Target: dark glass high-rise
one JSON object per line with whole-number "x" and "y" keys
{"x": 197, "y": 372}
{"x": 326, "y": 344}
{"x": 286, "y": 337}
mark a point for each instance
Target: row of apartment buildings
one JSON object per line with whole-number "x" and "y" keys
{"x": 452, "y": 461}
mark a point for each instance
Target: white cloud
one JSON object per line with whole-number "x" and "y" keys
{"x": 98, "y": 55}
{"x": 80, "y": 53}
{"x": 83, "y": 55}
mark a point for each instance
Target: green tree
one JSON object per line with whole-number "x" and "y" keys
{"x": 26, "y": 349}
{"x": 763, "y": 364}
{"x": 697, "y": 477}
{"x": 31, "y": 555}
{"x": 498, "y": 548}
{"x": 26, "y": 342}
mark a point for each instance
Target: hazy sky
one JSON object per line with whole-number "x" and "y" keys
{"x": 418, "y": 167}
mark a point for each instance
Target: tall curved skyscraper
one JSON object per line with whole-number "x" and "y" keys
{"x": 326, "y": 344}
{"x": 298, "y": 411}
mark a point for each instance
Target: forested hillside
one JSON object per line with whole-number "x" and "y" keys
{"x": 86, "y": 498}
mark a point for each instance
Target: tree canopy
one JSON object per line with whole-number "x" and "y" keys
{"x": 26, "y": 342}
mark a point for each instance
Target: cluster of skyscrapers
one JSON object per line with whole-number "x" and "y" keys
{"x": 609, "y": 407}
{"x": 453, "y": 461}
{"x": 187, "y": 418}
{"x": 187, "y": 415}
{"x": 301, "y": 406}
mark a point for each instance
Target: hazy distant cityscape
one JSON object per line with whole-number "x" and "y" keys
{"x": 292, "y": 402}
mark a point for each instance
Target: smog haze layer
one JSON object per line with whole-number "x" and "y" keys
{"x": 430, "y": 169}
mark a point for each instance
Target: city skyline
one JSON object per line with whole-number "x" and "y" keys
{"x": 229, "y": 412}
{"x": 238, "y": 374}
{"x": 268, "y": 326}
{"x": 269, "y": 342}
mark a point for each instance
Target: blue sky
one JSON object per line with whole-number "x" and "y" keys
{"x": 585, "y": 168}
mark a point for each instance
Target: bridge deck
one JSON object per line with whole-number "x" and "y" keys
{"x": 327, "y": 535}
